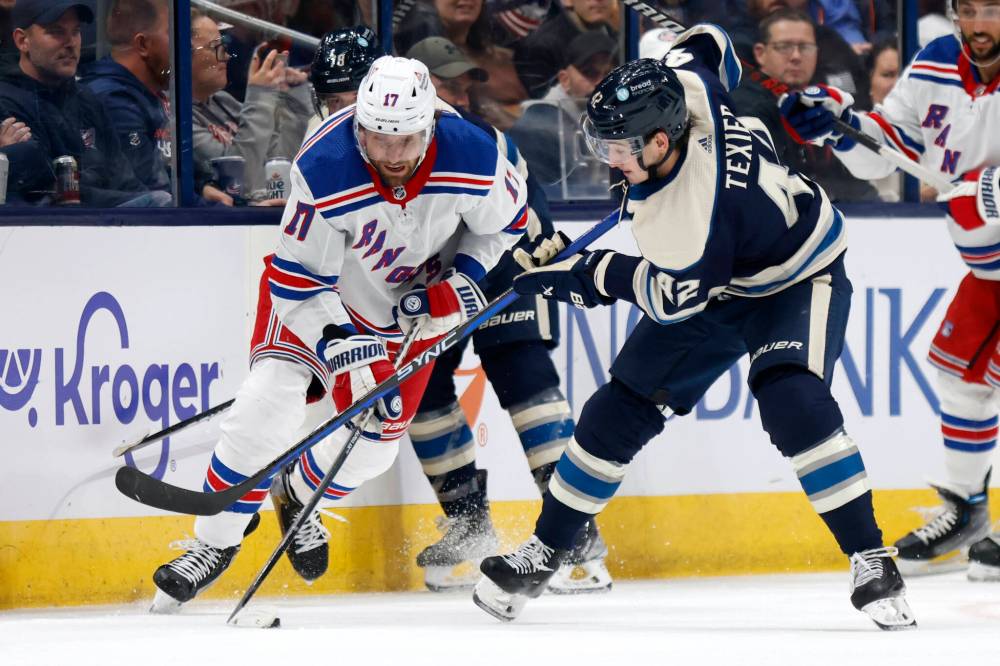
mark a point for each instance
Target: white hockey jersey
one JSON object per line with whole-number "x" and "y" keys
{"x": 350, "y": 247}
{"x": 941, "y": 115}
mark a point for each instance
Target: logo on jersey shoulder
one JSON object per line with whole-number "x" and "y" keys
{"x": 706, "y": 143}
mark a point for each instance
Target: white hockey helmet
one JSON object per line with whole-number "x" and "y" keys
{"x": 396, "y": 97}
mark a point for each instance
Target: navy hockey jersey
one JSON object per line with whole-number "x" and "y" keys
{"x": 729, "y": 218}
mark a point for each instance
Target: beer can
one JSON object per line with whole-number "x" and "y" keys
{"x": 4, "y": 170}
{"x": 278, "y": 171}
{"x": 67, "y": 180}
{"x": 229, "y": 172}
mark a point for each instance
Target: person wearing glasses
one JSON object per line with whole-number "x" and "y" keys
{"x": 271, "y": 121}
{"x": 787, "y": 50}
{"x": 40, "y": 90}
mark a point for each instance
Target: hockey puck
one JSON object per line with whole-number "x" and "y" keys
{"x": 256, "y": 619}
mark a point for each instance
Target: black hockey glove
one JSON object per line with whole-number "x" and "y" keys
{"x": 570, "y": 281}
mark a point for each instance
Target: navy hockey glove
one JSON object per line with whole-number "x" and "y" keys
{"x": 358, "y": 364}
{"x": 541, "y": 250}
{"x": 444, "y": 305}
{"x": 809, "y": 116}
{"x": 570, "y": 281}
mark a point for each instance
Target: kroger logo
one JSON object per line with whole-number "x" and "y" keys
{"x": 88, "y": 393}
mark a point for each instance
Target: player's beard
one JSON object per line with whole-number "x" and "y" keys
{"x": 396, "y": 177}
{"x": 987, "y": 58}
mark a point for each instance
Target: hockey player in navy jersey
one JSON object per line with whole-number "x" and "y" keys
{"x": 396, "y": 212}
{"x": 738, "y": 256}
{"x": 514, "y": 349}
{"x": 944, "y": 113}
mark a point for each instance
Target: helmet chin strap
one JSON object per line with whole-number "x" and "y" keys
{"x": 651, "y": 169}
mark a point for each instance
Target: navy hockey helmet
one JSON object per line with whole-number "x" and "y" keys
{"x": 632, "y": 103}
{"x": 342, "y": 59}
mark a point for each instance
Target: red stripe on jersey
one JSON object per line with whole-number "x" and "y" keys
{"x": 970, "y": 435}
{"x": 890, "y": 131}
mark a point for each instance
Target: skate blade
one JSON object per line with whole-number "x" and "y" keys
{"x": 587, "y": 578}
{"x": 458, "y": 578}
{"x": 956, "y": 560}
{"x": 983, "y": 573}
{"x": 164, "y": 604}
{"x": 504, "y": 606}
{"x": 891, "y": 614}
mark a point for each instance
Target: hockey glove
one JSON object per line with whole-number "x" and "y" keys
{"x": 358, "y": 364}
{"x": 809, "y": 116}
{"x": 570, "y": 281}
{"x": 975, "y": 201}
{"x": 444, "y": 305}
{"x": 541, "y": 250}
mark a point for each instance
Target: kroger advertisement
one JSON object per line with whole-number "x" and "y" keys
{"x": 110, "y": 333}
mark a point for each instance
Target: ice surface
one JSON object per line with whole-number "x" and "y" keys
{"x": 802, "y": 620}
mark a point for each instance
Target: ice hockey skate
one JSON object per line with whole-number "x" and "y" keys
{"x": 984, "y": 560}
{"x": 181, "y": 579}
{"x": 942, "y": 544}
{"x": 877, "y": 589}
{"x": 309, "y": 552}
{"x": 510, "y": 580}
{"x": 584, "y": 571}
{"x": 452, "y": 563}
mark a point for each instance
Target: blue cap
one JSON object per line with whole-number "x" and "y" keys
{"x": 43, "y": 12}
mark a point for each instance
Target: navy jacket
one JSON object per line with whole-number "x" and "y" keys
{"x": 65, "y": 120}
{"x": 139, "y": 118}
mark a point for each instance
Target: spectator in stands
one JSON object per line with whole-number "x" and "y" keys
{"x": 13, "y": 131}
{"x": 541, "y": 55}
{"x": 838, "y": 64}
{"x": 271, "y": 122}
{"x": 787, "y": 51}
{"x": 883, "y": 70}
{"x": 547, "y": 131}
{"x": 465, "y": 24}
{"x": 65, "y": 118}
{"x": 133, "y": 83}
{"x": 452, "y": 74}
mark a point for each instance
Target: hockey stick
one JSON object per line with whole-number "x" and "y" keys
{"x": 151, "y": 438}
{"x": 894, "y": 157}
{"x": 317, "y": 495}
{"x": 156, "y": 493}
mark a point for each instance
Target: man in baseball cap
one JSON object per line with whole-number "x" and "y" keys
{"x": 452, "y": 73}
{"x": 44, "y": 12}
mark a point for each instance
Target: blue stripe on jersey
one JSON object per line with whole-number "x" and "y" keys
{"x": 466, "y": 265}
{"x": 983, "y": 267}
{"x": 299, "y": 269}
{"x": 941, "y": 51}
{"x": 832, "y": 236}
{"x": 336, "y": 147}
{"x": 830, "y": 475}
{"x": 296, "y": 294}
{"x": 908, "y": 140}
{"x": 934, "y": 79}
{"x": 353, "y": 206}
{"x": 447, "y": 189}
{"x": 955, "y": 421}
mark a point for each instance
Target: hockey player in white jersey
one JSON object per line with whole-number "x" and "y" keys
{"x": 944, "y": 112}
{"x": 739, "y": 256}
{"x": 396, "y": 212}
